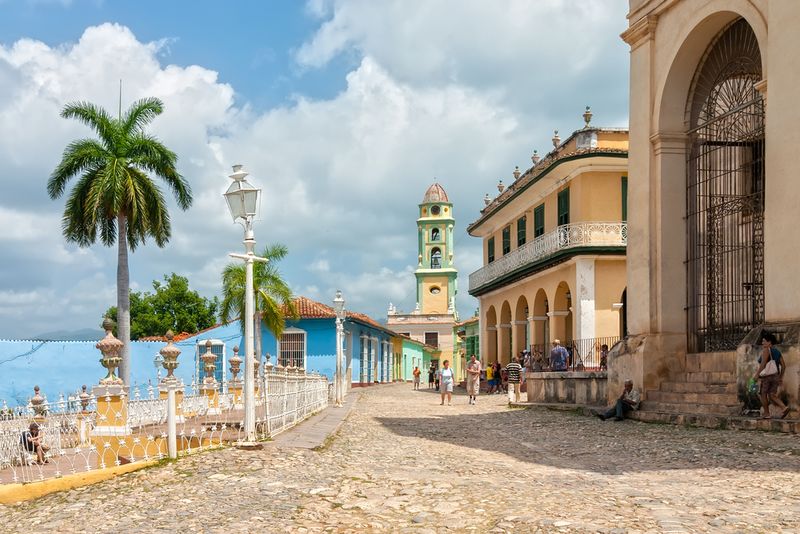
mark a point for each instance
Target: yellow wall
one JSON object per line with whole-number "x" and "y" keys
{"x": 434, "y": 303}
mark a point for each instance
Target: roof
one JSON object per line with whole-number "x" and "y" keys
{"x": 465, "y": 322}
{"x": 543, "y": 167}
{"x": 435, "y": 193}
{"x": 311, "y": 309}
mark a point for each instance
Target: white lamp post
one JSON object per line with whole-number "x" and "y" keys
{"x": 243, "y": 200}
{"x": 338, "y": 306}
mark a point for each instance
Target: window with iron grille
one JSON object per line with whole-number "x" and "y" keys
{"x": 490, "y": 250}
{"x": 432, "y": 339}
{"x": 538, "y": 221}
{"x": 506, "y": 240}
{"x": 521, "y": 230}
{"x": 292, "y": 349}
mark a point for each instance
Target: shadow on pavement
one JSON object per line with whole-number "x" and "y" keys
{"x": 568, "y": 440}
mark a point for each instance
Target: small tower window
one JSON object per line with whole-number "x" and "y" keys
{"x": 435, "y": 234}
{"x": 436, "y": 258}
{"x": 435, "y": 290}
{"x": 435, "y": 210}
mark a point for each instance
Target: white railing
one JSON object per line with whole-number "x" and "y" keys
{"x": 567, "y": 236}
{"x": 289, "y": 397}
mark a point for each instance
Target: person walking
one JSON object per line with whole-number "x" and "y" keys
{"x": 446, "y": 382}
{"x": 770, "y": 373}
{"x": 416, "y": 374}
{"x": 473, "y": 379}
{"x": 431, "y": 373}
{"x": 514, "y": 370}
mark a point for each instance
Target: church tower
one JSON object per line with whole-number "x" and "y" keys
{"x": 433, "y": 319}
{"x": 437, "y": 279}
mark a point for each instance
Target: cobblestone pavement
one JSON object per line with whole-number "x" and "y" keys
{"x": 403, "y": 463}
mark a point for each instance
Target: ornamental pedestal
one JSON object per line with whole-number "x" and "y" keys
{"x": 111, "y": 435}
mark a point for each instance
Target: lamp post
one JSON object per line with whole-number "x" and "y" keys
{"x": 338, "y": 306}
{"x": 242, "y": 199}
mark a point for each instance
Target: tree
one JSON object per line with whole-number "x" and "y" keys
{"x": 172, "y": 306}
{"x": 273, "y": 297}
{"x": 114, "y": 195}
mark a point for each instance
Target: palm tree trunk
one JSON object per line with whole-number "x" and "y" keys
{"x": 123, "y": 298}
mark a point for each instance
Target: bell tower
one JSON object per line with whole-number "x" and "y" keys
{"x": 437, "y": 279}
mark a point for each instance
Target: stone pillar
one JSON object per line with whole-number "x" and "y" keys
{"x": 518, "y": 337}
{"x": 210, "y": 386}
{"x": 362, "y": 367}
{"x": 235, "y": 385}
{"x": 503, "y": 343}
{"x": 84, "y": 417}
{"x": 490, "y": 355}
{"x": 111, "y": 435}
{"x": 584, "y": 299}
{"x": 558, "y": 325}
{"x": 169, "y": 356}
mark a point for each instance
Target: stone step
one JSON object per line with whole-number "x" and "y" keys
{"x": 711, "y": 362}
{"x": 689, "y": 408}
{"x": 787, "y": 426}
{"x": 697, "y": 387}
{"x": 711, "y": 378}
{"x": 729, "y": 399}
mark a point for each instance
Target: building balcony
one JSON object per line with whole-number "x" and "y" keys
{"x": 566, "y": 240}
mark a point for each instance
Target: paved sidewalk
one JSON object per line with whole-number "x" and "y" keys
{"x": 313, "y": 432}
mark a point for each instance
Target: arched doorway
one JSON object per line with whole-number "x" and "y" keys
{"x": 725, "y": 193}
{"x": 561, "y": 324}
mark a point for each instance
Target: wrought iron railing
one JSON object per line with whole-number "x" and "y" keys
{"x": 590, "y": 354}
{"x": 565, "y": 237}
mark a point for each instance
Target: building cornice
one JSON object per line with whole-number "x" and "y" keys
{"x": 641, "y": 31}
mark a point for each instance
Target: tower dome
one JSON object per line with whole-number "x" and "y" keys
{"x": 435, "y": 193}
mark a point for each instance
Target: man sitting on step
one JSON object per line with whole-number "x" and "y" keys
{"x": 628, "y": 401}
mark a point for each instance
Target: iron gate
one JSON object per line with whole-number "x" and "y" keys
{"x": 725, "y": 194}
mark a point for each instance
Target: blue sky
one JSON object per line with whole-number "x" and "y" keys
{"x": 343, "y": 111}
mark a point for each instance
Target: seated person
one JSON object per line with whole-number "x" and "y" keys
{"x": 627, "y": 401}
{"x": 31, "y": 441}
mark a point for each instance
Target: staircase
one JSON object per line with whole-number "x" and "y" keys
{"x": 708, "y": 388}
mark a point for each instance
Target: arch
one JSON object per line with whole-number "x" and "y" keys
{"x": 541, "y": 322}
{"x": 435, "y": 234}
{"x": 561, "y": 326}
{"x": 673, "y": 93}
{"x": 436, "y": 258}
{"x": 520, "y": 334}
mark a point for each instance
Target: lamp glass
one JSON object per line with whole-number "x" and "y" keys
{"x": 338, "y": 305}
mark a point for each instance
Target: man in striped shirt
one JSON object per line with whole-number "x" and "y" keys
{"x": 514, "y": 370}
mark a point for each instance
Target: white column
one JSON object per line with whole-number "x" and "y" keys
{"x": 362, "y": 367}
{"x": 583, "y": 300}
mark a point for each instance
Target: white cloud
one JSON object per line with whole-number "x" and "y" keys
{"x": 460, "y": 95}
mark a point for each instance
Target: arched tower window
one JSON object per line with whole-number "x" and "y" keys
{"x": 436, "y": 258}
{"x": 435, "y": 234}
{"x": 725, "y": 193}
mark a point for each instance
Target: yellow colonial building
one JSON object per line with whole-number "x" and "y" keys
{"x": 554, "y": 250}
{"x": 431, "y": 322}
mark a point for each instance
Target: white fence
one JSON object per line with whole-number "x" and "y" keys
{"x": 85, "y": 440}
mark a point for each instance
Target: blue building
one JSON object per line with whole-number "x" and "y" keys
{"x": 61, "y": 367}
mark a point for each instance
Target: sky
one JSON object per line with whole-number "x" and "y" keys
{"x": 343, "y": 111}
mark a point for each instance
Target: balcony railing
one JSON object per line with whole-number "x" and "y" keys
{"x": 565, "y": 237}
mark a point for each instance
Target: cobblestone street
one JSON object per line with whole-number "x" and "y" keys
{"x": 403, "y": 463}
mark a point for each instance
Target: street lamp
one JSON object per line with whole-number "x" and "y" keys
{"x": 243, "y": 200}
{"x": 338, "y": 306}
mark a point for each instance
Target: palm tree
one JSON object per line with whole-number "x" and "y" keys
{"x": 114, "y": 195}
{"x": 273, "y": 297}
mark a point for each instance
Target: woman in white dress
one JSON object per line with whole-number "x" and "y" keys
{"x": 473, "y": 379}
{"x": 446, "y": 382}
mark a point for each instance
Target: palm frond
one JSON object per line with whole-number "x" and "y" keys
{"x": 94, "y": 117}
{"x": 79, "y": 156}
{"x": 140, "y": 114}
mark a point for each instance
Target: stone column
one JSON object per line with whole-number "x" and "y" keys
{"x": 210, "y": 386}
{"x": 503, "y": 342}
{"x": 518, "y": 337}
{"x": 557, "y": 325}
{"x": 584, "y": 300}
{"x": 235, "y": 385}
{"x": 169, "y": 356}
{"x": 111, "y": 435}
{"x": 490, "y": 355}
{"x": 362, "y": 365}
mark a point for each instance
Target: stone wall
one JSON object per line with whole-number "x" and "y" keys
{"x": 749, "y": 350}
{"x": 568, "y": 387}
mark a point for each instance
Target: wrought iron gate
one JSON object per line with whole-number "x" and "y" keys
{"x": 725, "y": 193}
